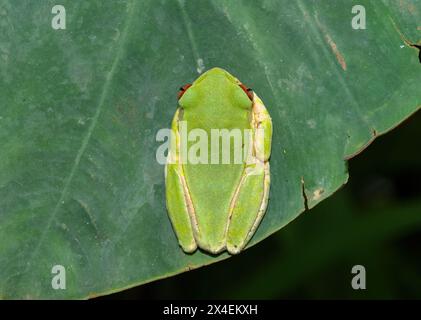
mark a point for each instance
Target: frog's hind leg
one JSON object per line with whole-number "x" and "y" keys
{"x": 250, "y": 200}
{"x": 179, "y": 204}
{"x": 248, "y": 206}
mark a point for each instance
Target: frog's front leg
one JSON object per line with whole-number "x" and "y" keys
{"x": 179, "y": 203}
{"x": 262, "y": 129}
{"x": 250, "y": 200}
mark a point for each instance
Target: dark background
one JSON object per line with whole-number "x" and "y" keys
{"x": 374, "y": 221}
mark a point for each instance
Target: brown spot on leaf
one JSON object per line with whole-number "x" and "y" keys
{"x": 317, "y": 194}
{"x": 189, "y": 267}
{"x": 336, "y": 52}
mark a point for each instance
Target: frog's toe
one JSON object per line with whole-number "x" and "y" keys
{"x": 214, "y": 248}
{"x": 188, "y": 247}
{"x": 234, "y": 248}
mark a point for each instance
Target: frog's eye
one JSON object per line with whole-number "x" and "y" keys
{"x": 248, "y": 91}
{"x": 183, "y": 90}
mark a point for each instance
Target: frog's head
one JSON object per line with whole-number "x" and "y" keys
{"x": 217, "y": 74}
{"x": 217, "y": 86}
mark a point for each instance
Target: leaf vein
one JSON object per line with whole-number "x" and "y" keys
{"x": 87, "y": 137}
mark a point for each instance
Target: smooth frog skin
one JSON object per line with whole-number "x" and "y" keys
{"x": 218, "y": 207}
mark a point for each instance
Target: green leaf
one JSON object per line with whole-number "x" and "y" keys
{"x": 80, "y": 108}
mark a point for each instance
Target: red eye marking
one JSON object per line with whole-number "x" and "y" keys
{"x": 183, "y": 90}
{"x": 248, "y": 91}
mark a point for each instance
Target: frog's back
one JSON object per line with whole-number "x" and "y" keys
{"x": 212, "y": 186}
